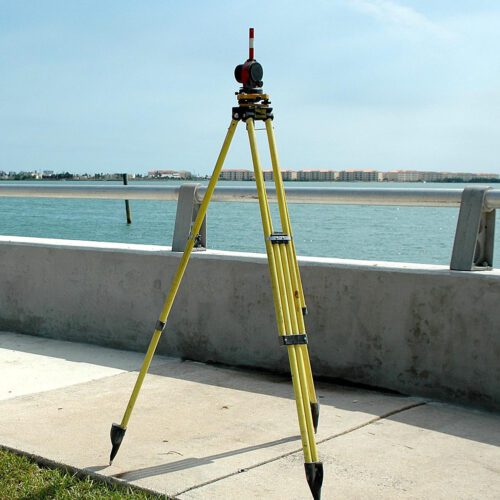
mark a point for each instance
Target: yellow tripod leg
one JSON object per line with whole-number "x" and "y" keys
{"x": 299, "y": 352}
{"x": 284, "y": 301}
{"x": 293, "y": 265}
{"x": 118, "y": 430}
{"x": 280, "y": 193}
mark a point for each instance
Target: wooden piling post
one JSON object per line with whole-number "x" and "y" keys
{"x": 127, "y": 204}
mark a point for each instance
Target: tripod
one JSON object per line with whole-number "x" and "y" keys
{"x": 289, "y": 303}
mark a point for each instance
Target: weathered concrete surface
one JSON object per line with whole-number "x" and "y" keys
{"x": 31, "y": 364}
{"x": 420, "y": 330}
{"x": 207, "y": 432}
{"x": 433, "y": 451}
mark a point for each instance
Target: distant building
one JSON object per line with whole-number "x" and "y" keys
{"x": 289, "y": 175}
{"x": 328, "y": 175}
{"x": 403, "y": 176}
{"x": 352, "y": 175}
{"x": 433, "y": 176}
{"x": 234, "y": 174}
{"x": 286, "y": 175}
{"x": 430, "y": 176}
{"x": 169, "y": 174}
{"x": 317, "y": 175}
{"x": 308, "y": 175}
{"x": 32, "y": 175}
{"x": 488, "y": 176}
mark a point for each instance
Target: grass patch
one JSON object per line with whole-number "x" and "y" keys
{"x": 21, "y": 478}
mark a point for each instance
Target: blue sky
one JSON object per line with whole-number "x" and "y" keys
{"x": 122, "y": 86}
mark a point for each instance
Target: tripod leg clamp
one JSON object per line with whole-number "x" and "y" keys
{"x": 160, "y": 326}
{"x": 279, "y": 238}
{"x": 293, "y": 339}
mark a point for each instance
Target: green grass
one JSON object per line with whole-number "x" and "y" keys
{"x": 21, "y": 478}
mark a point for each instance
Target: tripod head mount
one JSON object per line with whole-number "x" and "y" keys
{"x": 250, "y": 73}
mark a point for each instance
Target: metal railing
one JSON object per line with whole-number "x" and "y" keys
{"x": 420, "y": 197}
{"x": 472, "y": 249}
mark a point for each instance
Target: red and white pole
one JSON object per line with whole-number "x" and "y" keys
{"x": 250, "y": 45}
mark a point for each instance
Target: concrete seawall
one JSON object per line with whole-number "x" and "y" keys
{"x": 417, "y": 329}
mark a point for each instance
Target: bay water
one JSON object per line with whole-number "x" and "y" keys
{"x": 401, "y": 234}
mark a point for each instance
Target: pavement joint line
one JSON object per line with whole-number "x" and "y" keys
{"x": 299, "y": 450}
{"x": 81, "y": 473}
{"x": 373, "y": 420}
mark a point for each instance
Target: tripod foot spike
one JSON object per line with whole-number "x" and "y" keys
{"x": 117, "y": 433}
{"x": 314, "y": 476}
{"x": 315, "y": 415}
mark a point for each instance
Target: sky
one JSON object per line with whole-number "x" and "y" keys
{"x": 131, "y": 86}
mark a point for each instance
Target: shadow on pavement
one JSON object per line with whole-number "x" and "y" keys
{"x": 188, "y": 463}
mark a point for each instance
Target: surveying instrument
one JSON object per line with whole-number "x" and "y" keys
{"x": 289, "y": 302}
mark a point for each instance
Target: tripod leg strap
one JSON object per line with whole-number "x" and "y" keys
{"x": 296, "y": 339}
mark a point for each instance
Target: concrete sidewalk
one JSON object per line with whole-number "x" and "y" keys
{"x": 209, "y": 432}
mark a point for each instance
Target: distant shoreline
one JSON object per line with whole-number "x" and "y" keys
{"x": 454, "y": 180}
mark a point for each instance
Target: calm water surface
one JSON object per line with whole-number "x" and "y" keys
{"x": 406, "y": 234}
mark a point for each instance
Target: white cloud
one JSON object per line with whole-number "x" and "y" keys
{"x": 401, "y": 16}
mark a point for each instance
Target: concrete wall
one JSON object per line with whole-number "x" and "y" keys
{"x": 420, "y": 330}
